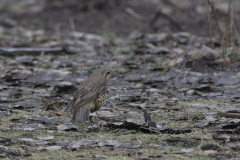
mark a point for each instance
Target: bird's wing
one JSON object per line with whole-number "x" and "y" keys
{"x": 84, "y": 95}
{"x": 102, "y": 90}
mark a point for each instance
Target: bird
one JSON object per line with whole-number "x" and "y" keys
{"x": 90, "y": 95}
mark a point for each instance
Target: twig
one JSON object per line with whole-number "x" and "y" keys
{"x": 236, "y": 60}
{"x": 175, "y": 39}
{"x": 133, "y": 13}
{"x": 115, "y": 107}
{"x": 72, "y": 24}
{"x": 17, "y": 51}
{"x": 216, "y": 20}
{"x": 224, "y": 48}
{"x": 160, "y": 14}
{"x": 174, "y": 152}
{"x": 107, "y": 56}
{"x": 209, "y": 24}
{"x": 231, "y": 30}
{"x": 227, "y": 18}
{"x": 235, "y": 29}
{"x": 120, "y": 97}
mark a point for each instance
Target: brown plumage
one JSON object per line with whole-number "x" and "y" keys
{"x": 91, "y": 95}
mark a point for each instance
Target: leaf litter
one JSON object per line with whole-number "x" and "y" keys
{"x": 162, "y": 90}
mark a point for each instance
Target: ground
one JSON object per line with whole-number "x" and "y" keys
{"x": 177, "y": 91}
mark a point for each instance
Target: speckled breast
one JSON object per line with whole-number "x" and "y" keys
{"x": 99, "y": 101}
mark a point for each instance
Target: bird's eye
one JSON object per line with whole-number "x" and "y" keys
{"x": 107, "y": 72}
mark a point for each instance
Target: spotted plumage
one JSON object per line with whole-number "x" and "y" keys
{"x": 91, "y": 95}
{"x": 99, "y": 101}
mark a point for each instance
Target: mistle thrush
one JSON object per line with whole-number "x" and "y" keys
{"x": 90, "y": 95}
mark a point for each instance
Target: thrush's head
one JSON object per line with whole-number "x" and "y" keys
{"x": 106, "y": 73}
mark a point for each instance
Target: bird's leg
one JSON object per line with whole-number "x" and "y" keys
{"x": 74, "y": 115}
{"x": 91, "y": 119}
{"x": 87, "y": 115}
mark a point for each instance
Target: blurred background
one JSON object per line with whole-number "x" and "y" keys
{"x": 116, "y": 17}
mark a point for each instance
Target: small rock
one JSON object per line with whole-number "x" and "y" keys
{"x": 187, "y": 150}
{"x": 67, "y": 127}
{"x": 209, "y": 53}
{"x": 49, "y": 148}
{"x": 3, "y": 148}
{"x": 27, "y": 139}
{"x": 4, "y": 113}
{"x": 100, "y": 156}
{"x": 93, "y": 128}
{"x": 2, "y": 155}
{"x": 79, "y": 155}
{"x": 208, "y": 152}
{"x": 45, "y": 138}
{"x": 190, "y": 92}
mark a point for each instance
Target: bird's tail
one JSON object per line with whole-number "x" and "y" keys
{"x": 81, "y": 114}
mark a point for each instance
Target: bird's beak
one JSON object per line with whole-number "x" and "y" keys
{"x": 114, "y": 75}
